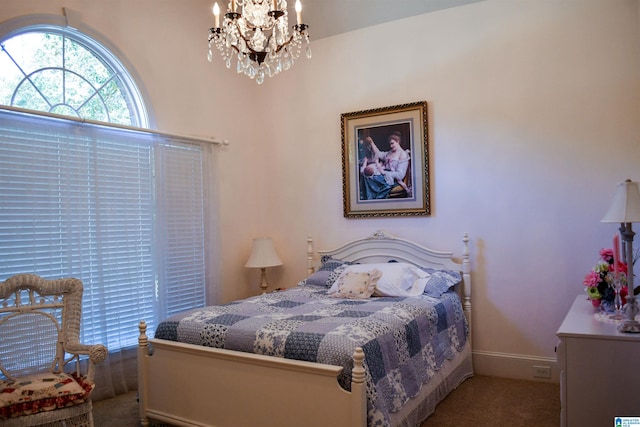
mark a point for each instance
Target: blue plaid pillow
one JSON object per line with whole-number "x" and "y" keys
{"x": 440, "y": 281}
{"x": 327, "y": 273}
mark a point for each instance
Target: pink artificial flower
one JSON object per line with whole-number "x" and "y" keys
{"x": 595, "y": 302}
{"x": 606, "y": 255}
{"x": 591, "y": 279}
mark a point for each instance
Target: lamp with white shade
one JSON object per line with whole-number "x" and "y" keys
{"x": 263, "y": 255}
{"x": 625, "y": 209}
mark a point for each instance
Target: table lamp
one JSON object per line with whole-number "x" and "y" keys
{"x": 263, "y": 255}
{"x": 625, "y": 209}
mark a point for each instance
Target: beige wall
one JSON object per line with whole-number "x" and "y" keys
{"x": 533, "y": 117}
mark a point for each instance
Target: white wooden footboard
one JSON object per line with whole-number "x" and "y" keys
{"x": 189, "y": 385}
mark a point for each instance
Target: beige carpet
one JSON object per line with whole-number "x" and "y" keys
{"x": 479, "y": 401}
{"x": 487, "y": 401}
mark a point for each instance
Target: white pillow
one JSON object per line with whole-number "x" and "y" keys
{"x": 398, "y": 279}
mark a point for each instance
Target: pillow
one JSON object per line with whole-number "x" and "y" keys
{"x": 356, "y": 285}
{"x": 329, "y": 264}
{"x": 440, "y": 281}
{"x": 398, "y": 279}
{"x": 324, "y": 276}
{"x": 319, "y": 278}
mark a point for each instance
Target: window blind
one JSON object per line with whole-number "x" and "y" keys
{"x": 180, "y": 198}
{"x": 123, "y": 211}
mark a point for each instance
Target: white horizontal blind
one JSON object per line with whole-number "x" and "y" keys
{"x": 79, "y": 200}
{"x": 180, "y": 199}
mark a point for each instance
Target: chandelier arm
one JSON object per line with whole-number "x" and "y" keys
{"x": 284, "y": 44}
{"x": 257, "y": 52}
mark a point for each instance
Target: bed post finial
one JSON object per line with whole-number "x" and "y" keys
{"x": 357, "y": 374}
{"x": 310, "y": 268}
{"x": 142, "y": 338}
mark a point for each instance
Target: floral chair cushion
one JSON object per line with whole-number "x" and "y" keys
{"x": 41, "y": 392}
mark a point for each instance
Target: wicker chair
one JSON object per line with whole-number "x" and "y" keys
{"x": 46, "y": 374}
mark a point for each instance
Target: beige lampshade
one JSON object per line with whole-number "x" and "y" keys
{"x": 263, "y": 254}
{"x": 626, "y": 204}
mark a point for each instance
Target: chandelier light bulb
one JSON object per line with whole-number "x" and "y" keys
{"x": 299, "y": 12}
{"x": 216, "y": 14}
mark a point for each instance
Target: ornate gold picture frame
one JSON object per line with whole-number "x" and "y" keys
{"x": 385, "y": 161}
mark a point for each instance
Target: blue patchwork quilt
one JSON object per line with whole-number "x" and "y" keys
{"x": 405, "y": 340}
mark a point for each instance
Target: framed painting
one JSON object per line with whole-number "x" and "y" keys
{"x": 385, "y": 161}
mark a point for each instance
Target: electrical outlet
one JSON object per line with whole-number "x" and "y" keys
{"x": 542, "y": 371}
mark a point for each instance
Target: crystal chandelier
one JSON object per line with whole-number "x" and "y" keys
{"x": 259, "y": 37}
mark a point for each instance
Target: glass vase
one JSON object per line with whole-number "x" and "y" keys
{"x": 617, "y": 301}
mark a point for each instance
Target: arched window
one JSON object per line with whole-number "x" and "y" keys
{"x": 62, "y": 71}
{"x": 122, "y": 208}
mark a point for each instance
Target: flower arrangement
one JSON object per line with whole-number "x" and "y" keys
{"x": 599, "y": 283}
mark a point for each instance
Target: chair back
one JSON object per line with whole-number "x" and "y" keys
{"x": 39, "y": 318}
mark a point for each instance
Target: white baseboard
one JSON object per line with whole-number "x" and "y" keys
{"x": 516, "y": 366}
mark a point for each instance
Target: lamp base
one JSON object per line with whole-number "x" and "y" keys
{"x": 263, "y": 280}
{"x": 630, "y": 326}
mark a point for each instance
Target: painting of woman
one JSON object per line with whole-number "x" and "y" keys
{"x": 383, "y": 172}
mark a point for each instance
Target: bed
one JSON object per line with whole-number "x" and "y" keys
{"x": 336, "y": 372}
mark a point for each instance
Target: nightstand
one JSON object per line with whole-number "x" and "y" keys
{"x": 599, "y": 369}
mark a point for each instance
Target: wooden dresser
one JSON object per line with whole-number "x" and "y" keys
{"x": 599, "y": 369}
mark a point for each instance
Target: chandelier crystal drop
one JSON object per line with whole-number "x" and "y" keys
{"x": 258, "y": 37}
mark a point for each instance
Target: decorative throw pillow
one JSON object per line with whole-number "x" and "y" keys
{"x": 398, "y": 279}
{"x": 319, "y": 278}
{"x": 324, "y": 276}
{"x": 356, "y": 285}
{"x": 329, "y": 264}
{"x": 440, "y": 281}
